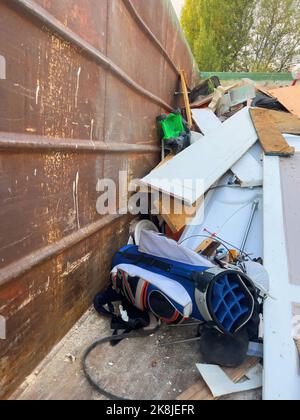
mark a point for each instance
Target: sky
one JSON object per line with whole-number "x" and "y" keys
{"x": 178, "y": 4}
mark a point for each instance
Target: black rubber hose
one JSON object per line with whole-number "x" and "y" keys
{"x": 89, "y": 350}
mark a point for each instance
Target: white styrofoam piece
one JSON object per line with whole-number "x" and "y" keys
{"x": 227, "y": 214}
{"x": 205, "y": 161}
{"x": 249, "y": 169}
{"x": 206, "y": 120}
{"x": 160, "y": 246}
{"x": 220, "y": 384}
{"x": 281, "y": 360}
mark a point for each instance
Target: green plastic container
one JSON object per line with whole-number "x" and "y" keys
{"x": 172, "y": 126}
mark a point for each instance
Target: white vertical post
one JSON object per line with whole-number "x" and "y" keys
{"x": 2, "y": 328}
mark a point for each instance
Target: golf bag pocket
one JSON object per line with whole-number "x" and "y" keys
{"x": 148, "y": 291}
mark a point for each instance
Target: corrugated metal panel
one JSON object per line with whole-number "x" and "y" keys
{"x": 84, "y": 83}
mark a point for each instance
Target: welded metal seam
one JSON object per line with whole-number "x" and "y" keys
{"x": 12, "y": 141}
{"x": 40, "y": 256}
{"x": 145, "y": 28}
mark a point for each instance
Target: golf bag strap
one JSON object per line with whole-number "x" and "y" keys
{"x": 147, "y": 260}
{"x": 117, "y": 323}
{"x": 153, "y": 262}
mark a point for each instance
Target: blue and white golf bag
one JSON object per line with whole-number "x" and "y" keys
{"x": 175, "y": 284}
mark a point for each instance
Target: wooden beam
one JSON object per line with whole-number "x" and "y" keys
{"x": 285, "y": 122}
{"x": 208, "y": 247}
{"x": 176, "y": 220}
{"x": 269, "y": 135}
{"x": 186, "y": 99}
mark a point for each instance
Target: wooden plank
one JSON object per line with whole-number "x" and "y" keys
{"x": 201, "y": 392}
{"x": 186, "y": 98}
{"x": 285, "y": 122}
{"x": 289, "y": 97}
{"x": 206, "y": 160}
{"x": 269, "y": 135}
{"x": 204, "y": 245}
{"x": 208, "y": 247}
{"x": 176, "y": 221}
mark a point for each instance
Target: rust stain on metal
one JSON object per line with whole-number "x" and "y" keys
{"x": 72, "y": 268}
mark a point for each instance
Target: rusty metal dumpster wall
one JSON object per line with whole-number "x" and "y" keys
{"x": 81, "y": 84}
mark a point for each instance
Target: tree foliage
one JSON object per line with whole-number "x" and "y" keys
{"x": 243, "y": 35}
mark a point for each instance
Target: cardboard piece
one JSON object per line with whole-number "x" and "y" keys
{"x": 289, "y": 97}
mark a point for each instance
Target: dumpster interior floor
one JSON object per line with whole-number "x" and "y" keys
{"x": 137, "y": 369}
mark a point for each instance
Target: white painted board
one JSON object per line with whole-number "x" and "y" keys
{"x": 206, "y": 120}
{"x": 249, "y": 169}
{"x": 281, "y": 359}
{"x": 206, "y": 161}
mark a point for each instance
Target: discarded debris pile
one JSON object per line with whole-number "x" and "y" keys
{"x": 219, "y": 246}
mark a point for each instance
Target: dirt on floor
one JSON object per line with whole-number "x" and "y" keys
{"x": 137, "y": 369}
